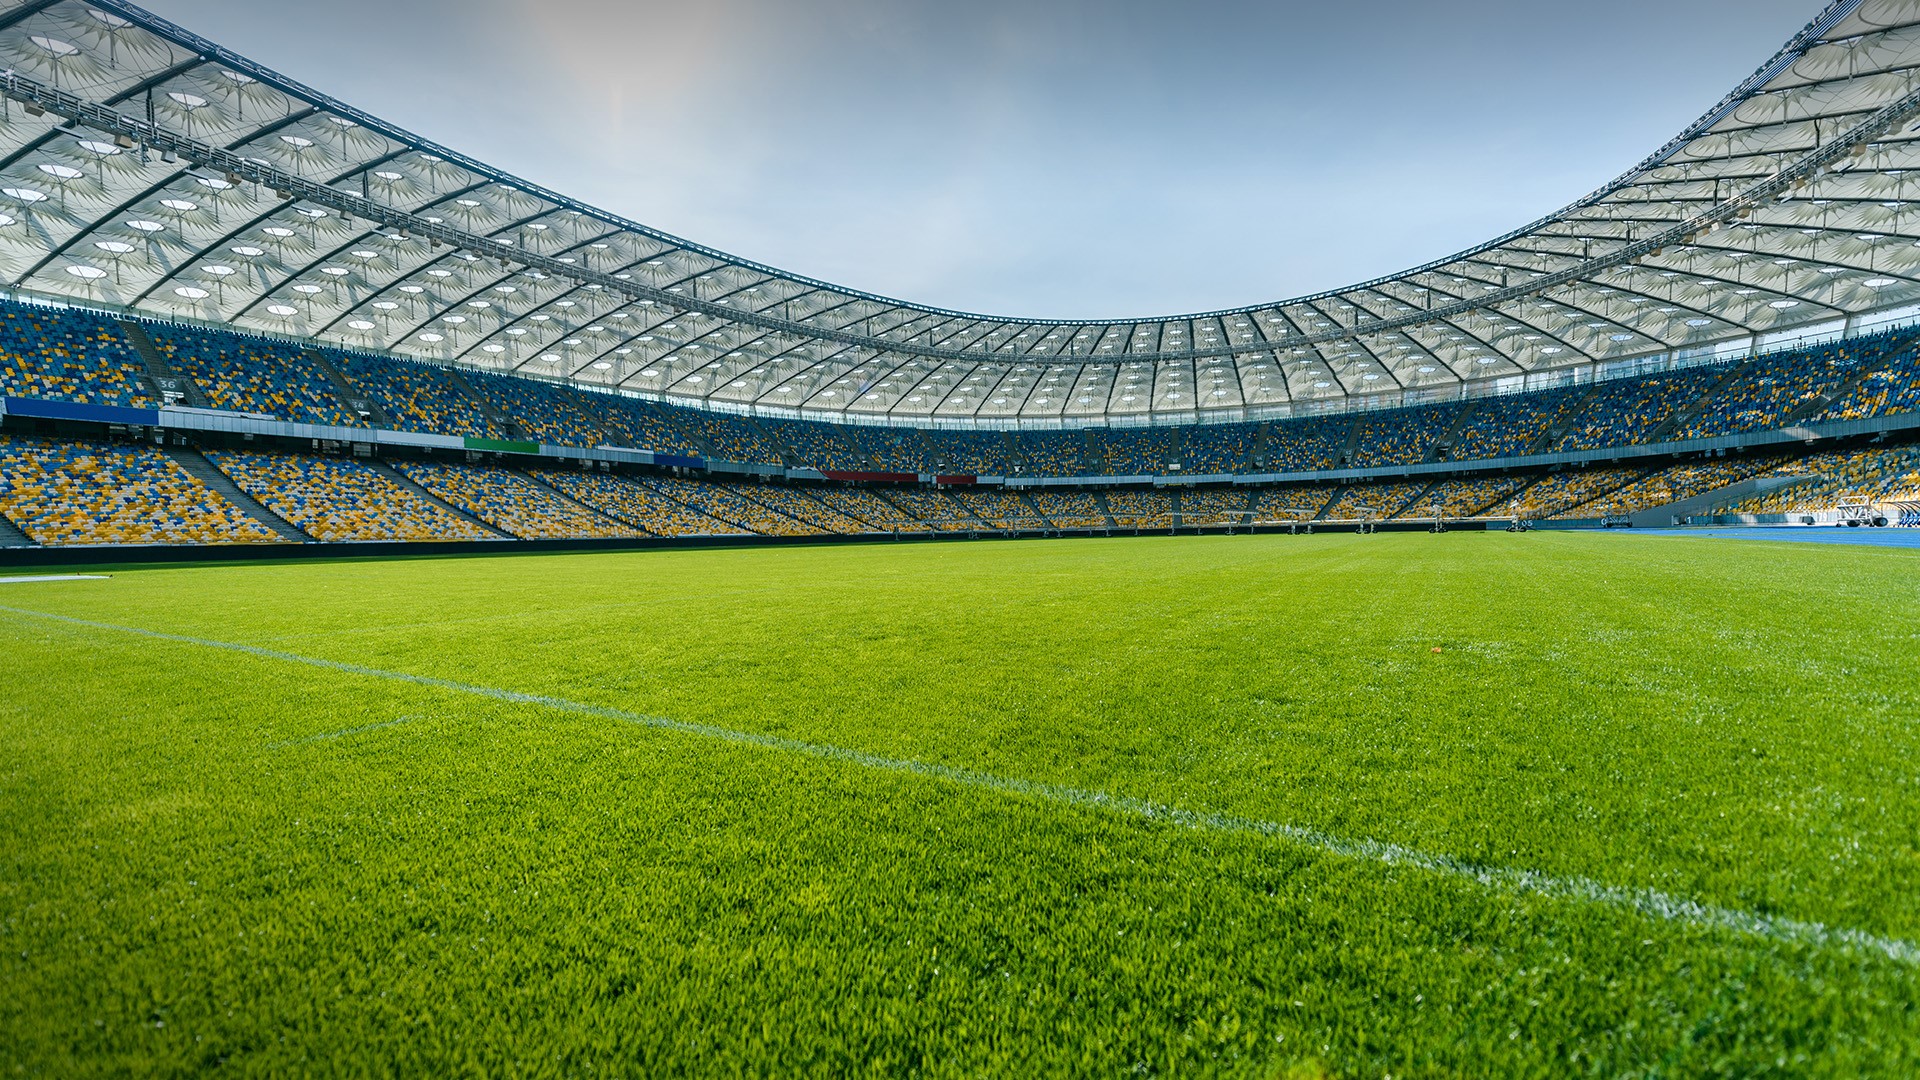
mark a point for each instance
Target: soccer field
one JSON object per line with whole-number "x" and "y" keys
{"x": 1401, "y": 804}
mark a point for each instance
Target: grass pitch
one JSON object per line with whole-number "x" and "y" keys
{"x": 1089, "y": 807}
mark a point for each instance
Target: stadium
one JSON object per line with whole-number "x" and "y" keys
{"x": 453, "y": 628}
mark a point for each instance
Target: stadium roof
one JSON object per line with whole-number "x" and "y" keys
{"x": 142, "y": 166}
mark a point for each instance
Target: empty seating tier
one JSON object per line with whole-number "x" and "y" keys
{"x": 99, "y": 493}
{"x": 513, "y": 503}
{"x": 338, "y": 499}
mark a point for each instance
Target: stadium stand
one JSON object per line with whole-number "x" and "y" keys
{"x": 1888, "y": 382}
{"x": 337, "y": 499}
{"x": 1140, "y": 509}
{"x": 1375, "y": 502}
{"x": 1874, "y": 472}
{"x": 823, "y": 446}
{"x": 1402, "y": 436}
{"x": 511, "y": 502}
{"x": 1219, "y": 448}
{"x": 725, "y": 502}
{"x": 252, "y": 375}
{"x": 643, "y": 425}
{"x": 870, "y": 507}
{"x": 895, "y": 449}
{"x": 544, "y": 412}
{"x": 1055, "y": 453}
{"x": 62, "y": 493}
{"x": 940, "y": 510}
{"x": 1761, "y": 394}
{"x": 1558, "y": 493}
{"x": 1306, "y": 445}
{"x": 1135, "y": 451}
{"x": 1632, "y": 410}
{"x": 1670, "y": 485}
{"x": 801, "y": 506}
{"x": 730, "y": 438}
{"x": 1001, "y": 509}
{"x": 415, "y": 397}
{"x": 967, "y": 453}
{"x": 69, "y": 355}
{"x": 1069, "y": 509}
{"x": 1512, "y": 425}
{"x": 1292, "y": 503}
{"x": 1213, "y": 507}
{"x": 634, "y": 502}
{"x": 1481, "y": 496}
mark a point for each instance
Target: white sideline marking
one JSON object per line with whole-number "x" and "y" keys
{"x": 53, "y": 577}
{"x": 1649, "y": 902}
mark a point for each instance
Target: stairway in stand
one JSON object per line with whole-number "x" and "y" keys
{"x": 174, "y": 388}
{"x": 209, "y": 474}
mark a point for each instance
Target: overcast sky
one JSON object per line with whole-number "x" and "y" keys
{"x": 1063, "y": 158}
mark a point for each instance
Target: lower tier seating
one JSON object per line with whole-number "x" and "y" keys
{"x": 337, "y": 499}
{"x": 1141, "y": 509}
{"x": 638, "y": 504}
{"x": 62, "y": 493}
{"x": 513, "y": 503}
{"x": 1070, "y": 509}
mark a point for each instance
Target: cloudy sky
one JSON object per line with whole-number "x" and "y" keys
{"x": 1064, "y": 158}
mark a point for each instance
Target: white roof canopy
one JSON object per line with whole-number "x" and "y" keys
{"x": 144, "y": 167}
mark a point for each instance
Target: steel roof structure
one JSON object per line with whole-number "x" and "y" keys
{"x": 144, "y": 167}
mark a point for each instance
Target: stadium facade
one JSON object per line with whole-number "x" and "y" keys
{"x": 205, "y": 255}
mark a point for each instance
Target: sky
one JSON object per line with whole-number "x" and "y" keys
{"x": 1039, "y": 158}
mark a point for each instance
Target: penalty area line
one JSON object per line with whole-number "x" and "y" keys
{"x": 1648, "y": 902}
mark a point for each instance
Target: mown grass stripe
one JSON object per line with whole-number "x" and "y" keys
{"x": 1649, "y": 902}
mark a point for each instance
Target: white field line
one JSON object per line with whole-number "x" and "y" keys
{"x": 1648, "y": 902}
{"x": 53, "y": 577}
{"x": 341, "y": 734}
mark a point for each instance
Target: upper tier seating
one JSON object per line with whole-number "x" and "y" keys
{"x": 643, "y": 425}
{"x": 341, "y": 499}
{"x": 1306, "y": 445}
{"x": 1628, "y": 411}
{"x": 827, "y": 447}
{"x": 69, "y": 355}
{"x": 1402, "y": 436}
{"x": 967, "y": 453}
{"x": 511, "y": 502}
{"x": 416, "y": 397}
{"x": 100, "y": 493}
{"x": 252, "y": 375}
{"x": 732, "y": 438}
{"x": 895, "y": 449}
{"x": 1762, "y": 393}
{"x": 1889, "y": 383}
{"x": 1219, "y": 448}
{"x": 545, "y": 412}
{"x": 1054, "y": 453}
{"x": 634, "y": 502}
{"x": 1136, "y": 451}
{"x": 1513, "y": 425}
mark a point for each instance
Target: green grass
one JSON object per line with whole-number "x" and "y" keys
{"x": 216, "y": 857}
